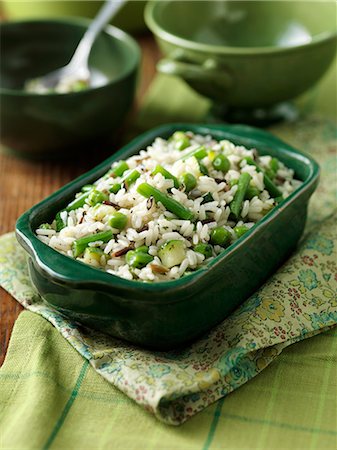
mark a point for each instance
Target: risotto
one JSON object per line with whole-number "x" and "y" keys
{"x": 170, "y": 209}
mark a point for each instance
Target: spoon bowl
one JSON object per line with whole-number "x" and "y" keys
{"x": 76, "y": 73}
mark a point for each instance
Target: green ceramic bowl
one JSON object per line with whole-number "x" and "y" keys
{"x": 53, "y": 125}
{"x": 168, "y": 314}
{"x": 245, "y": 54}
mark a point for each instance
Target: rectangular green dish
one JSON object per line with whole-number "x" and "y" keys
{"x": 169, "y": 314}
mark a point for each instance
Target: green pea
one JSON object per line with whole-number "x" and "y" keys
{"x": 204, "y": 249}
{"x": 240, "y": 230}
{"x": 138, "y": 260}
{"x": 96, "y": 197}
{"x": 118, "y": 220}
{"x": 221, "y": 163}
{"x": 189, "y": 181}
{"x": 220, "y": 236}
{"x": 142, "y": 249}
{"x": 181, "y": 140}
{"x": 115, "y": 188}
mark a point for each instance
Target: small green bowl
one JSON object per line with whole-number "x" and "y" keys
{"x": 57, "y": 125}
{"x": 168, "y": 314}
{"x": 245, "y": 54}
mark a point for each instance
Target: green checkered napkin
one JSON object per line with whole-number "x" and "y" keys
{"x": 50, "y": 398}
{"x": 299, "y": 301}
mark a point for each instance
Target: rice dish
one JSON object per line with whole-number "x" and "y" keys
{"x": 167, "y": 211}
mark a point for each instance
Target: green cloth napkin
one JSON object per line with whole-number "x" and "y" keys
{"x": 50, "y": 398}
{"x": 297, "y": 302}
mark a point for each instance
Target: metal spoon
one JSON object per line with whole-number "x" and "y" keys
{"x": 77, "y": 70}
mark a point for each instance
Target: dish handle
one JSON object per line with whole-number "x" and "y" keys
{"x": 207, "y": 72}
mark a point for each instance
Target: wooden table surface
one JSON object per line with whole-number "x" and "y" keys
{"x": 36, "y": 180}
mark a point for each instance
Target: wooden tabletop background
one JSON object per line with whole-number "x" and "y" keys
{"x": 36, "y": 180}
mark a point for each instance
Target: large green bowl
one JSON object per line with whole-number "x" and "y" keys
{"x": 53, "y": 125}
{"x": 245, "y": 54}
{"x": 168, "y": 314}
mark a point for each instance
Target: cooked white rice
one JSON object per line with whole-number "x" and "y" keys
{"x": 150, "y": 224}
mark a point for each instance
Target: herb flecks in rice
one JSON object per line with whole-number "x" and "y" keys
{"x": 216, "y": 206}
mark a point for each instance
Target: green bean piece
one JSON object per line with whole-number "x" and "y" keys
{"x": 81, "y": 244}
{"x": 96, "y": 197}
{"x": 237, "y": 202}
{"x": 251, "y": 192}
{"x": 269, "y": 185}
{"x": 199, "y": 153}
{"x": 274, "y": 164}
{"x": 278, "y": 199}
{"x": 207, "y": 198}
{"x": 270, "y": 174}
{"x": 166, "y": 174}
{"x": 87, "y": 187}
{"x": 251, "y": 162}
{"x": 221, "y": 163}
{"x": 204, "y": 249}
{"x": 240, "y": 230}
{"x": 142, "y": 248}
{"x": 220, "y": 236}
{"x": 119, "y": 169}
{"x": 60, "y": 224}
{"x": 137, "y": 260}
{"x": 78, "y": 202}
{"x": 181, "y": 141}
{"x": 203, "y": 168}
{"x": 115, "y": 188}
{"x": 189, "y": 181}
{"x": 118, "y": 220}
{"x": 131, "y": 178}
{"x": 146, "y": 190}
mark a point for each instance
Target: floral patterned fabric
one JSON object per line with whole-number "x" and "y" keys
{"x": 298, "y": 302}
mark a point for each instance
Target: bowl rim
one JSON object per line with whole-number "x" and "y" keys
{"x": 64, "y": 270}
{"x": 159, "y": 31}
{"x": 109, "y": 30}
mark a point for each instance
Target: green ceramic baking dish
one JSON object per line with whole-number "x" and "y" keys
{"x": 168, "y": 314}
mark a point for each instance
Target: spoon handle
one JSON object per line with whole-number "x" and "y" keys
{"x": 83, "y": 49}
